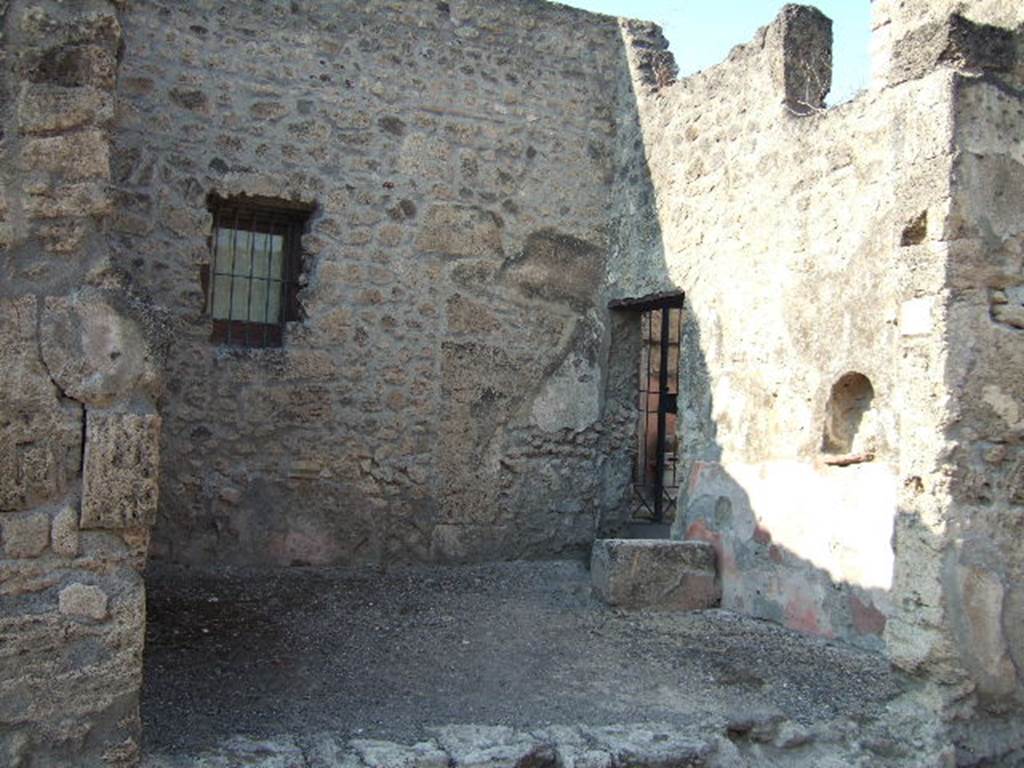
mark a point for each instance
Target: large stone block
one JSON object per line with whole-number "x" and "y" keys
{"x": 94, "y": 353}
{"x": 76, "y": 156}
{"x": 40, "y": 432}
{"x": 48, "y": 108}
{"x": 121, "y": 470}
{"x": 653, "y": 573}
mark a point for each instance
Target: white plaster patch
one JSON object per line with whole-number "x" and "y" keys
{"x": 916, "y": 317}
{"x": 840, "y": 520}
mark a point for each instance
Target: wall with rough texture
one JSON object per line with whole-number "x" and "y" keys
{"x": 983, "y": 569}
{"x": 905, "y": 31}
{"x": 779, "y": 220}
{"x": 881, "y": 237}
{"x": 443, "y": 398}
{"x": 78, "y": 431}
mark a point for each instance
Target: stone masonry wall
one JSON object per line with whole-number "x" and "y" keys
{"x": 781, "y": 221}
{"x": 444, "y": 397}
{"x": 983, "y": 569}
{"x": 78, "y": 432}
{"x": 882, "y": 237}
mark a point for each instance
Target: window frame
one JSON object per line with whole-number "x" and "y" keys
{"x": 259, "y": 217}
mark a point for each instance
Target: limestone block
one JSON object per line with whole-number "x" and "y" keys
{"x": 64, "y": 533}
{"x": 83, "y": 600}
{"x": 94, "y": 353}
{"x": 802, "y": 70}
{"x": 653, "y": 573}
{"x": 76, "y": 156}
{"x": 460, "y": 231}
{"x": 40, "y": 432}
{"x": 83, "y": 199}
{"x": 978, "y": 619}
{"x": 121, "y": 470}
{"x": 48, "y": 108}
{"x": 25, "y": 535}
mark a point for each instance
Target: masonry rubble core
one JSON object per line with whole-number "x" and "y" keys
{"x": 485, "y": 177}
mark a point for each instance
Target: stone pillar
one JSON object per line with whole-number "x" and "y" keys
{"x": 78, "y": 428}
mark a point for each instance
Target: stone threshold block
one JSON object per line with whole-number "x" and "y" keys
{"x": 655, "y": 573}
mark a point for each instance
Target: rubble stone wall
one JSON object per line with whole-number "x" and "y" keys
{"x": 79, "y": 433}
{"x": 443, "y": 397}
{"x": 852, "y": 353}
{"x": 781, "y": 221}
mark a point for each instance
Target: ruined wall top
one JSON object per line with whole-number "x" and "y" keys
{"x": 910, "y": 34}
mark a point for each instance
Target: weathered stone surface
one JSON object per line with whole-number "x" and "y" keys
{"x": 649, "y": 573}
{"x": 26, "y": 534}
{"x": 40, "y": 432}
{"x": 49, "y": 108}
{"x": 93, "y": 352}
{"x": 84, "y": 601}
{"x": 85, "y": 199}
{"x": 76, "y": 156}
{"x": 121, "y": 470}
{"x": 955, "y": 41}
{"x": 558, "y": 267}
{"x": 64, "y": 538}
{"x": 386, "y": 754}
{"x": 460, "y": 231}
{"x": 485, "y": 746}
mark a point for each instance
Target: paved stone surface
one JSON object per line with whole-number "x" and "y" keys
{"x": 400, "y": 656}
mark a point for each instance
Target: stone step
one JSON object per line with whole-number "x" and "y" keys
{"x": 655, "y": 573}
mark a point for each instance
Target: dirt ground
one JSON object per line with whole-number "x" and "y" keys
{"x": 389, "y": 654}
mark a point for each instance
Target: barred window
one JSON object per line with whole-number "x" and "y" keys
{"x": 255, "y": 262}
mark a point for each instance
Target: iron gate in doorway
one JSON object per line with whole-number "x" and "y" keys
{"x": 655, "y": 479}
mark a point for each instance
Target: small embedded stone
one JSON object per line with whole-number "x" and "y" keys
{"x": 230, "y": 495}
{"x": 83, "y": 600}
{"x": 190, "y": 99}
{"x": 64, "y": 533}
{"x": 26, "y": 535}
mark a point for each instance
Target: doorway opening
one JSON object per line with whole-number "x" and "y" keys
{"x": 655, "y": 466}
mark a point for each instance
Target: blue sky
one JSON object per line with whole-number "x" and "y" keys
{"x": 701, "y": 32}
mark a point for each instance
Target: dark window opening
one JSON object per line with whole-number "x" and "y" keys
{"x": 252, "y": 282}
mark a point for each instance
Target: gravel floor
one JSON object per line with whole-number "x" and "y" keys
{"x": 388, "y": 654}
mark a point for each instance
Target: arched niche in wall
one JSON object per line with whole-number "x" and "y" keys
{"x": 847, "y": 415}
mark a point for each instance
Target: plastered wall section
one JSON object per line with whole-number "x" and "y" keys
{"x": 444, "y": 397}
{"x": 78, "y": 431}
{"x": 801, "y": 238}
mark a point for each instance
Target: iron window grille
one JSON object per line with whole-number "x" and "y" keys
{"x": 252, "y": 281}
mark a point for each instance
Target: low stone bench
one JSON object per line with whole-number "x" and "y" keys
{"x": 654, "y": 573}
